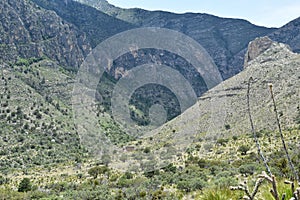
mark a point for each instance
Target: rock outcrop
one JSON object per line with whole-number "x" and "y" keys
{"x": 257, "y": 47}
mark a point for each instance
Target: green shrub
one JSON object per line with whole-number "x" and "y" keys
{"x": 25, "y": 185}
{"x": 248, "y": 169}
{"x": 222, "y": 141}
{"x": 96, "y": 171}
{"x": 243, "y": 149}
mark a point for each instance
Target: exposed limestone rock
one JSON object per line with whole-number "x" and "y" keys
{"x": 257, "y": 47}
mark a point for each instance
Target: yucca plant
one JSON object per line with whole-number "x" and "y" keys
{"x": 274, "y": 192}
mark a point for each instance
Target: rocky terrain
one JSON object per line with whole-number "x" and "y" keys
{"x": 223, "y": 110}
{"x": 223, "y": 38}
{"x": 28, "y": 31}
{"x": 289, "y": 34}
{"x": 97, "y": 25}
{"x": 202, "y": 152}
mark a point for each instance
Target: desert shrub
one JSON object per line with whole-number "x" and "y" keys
{"x": 106, "y": 159}
{"x": 243, "y": 149}
{"x": 3, "y": 180}
{"x": 25, "y": 185}
{"x": 248, "y": 169}
{"x": 222, "y": 141}
{"x": 208, "y": 146}
{"x": 227, "y": 126}
{"x": 191, "y": 184}
{"x": 147, "y": 150}
{"x": 297, "y": 119}
{"x": 98, "y": 170}
{"x": 225, "y": 182}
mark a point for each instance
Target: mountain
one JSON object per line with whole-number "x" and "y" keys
{"x": 222, "y": 111}
{"x": 223, "y": 38}
{"x": 28, "y": 31}
{"x": 36, "y": 126}
{"x": 289, "y": 34}
{"x": 97, "y": 25}
{"x": 39, "y": 142}
{"x": 205, "y": 148}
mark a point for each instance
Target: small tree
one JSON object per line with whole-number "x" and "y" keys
{"x": 24, "y": 185}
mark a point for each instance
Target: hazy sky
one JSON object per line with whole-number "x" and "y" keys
{"x": 270, "y": 13}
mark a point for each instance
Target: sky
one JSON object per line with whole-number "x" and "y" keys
{"x": 269, "y": 13}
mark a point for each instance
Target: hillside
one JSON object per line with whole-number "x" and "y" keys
{"x": 277, "y": 65}
{"x": 38, "y": 141}
{"x": 289, "y": 34}
{"x": 29, "y": 31}
{"x": 54, "y": 146}
{"x": 97, "y": 25}
{"x": 223, "y": 38}
{"x": 36, "y": 117}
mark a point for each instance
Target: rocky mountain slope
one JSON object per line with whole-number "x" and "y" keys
{"x": 222, "y": 111}
{"x": 25, "y": 35}
{"x": 222, "y": 38}
{"x": 28, "y": 31}
{"x": 95, "y": 24}
{"x": 289, "y": 34}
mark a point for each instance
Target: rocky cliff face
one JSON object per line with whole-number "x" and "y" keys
{"x": 288, "y": 34}
{"x": 27, "y": 31}
{"x": 222, "y": 38}
{"x": 257, "y": 47}
{"x": 95, "y": 24}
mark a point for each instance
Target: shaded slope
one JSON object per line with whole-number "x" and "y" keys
{"x": 223, "y": 38}
{"x": 97, "y": 25}
{"x": 30, "y": 31}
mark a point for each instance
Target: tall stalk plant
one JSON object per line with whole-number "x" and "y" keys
{"x": 296, "y": 176}
{"x": 253, "y": 129}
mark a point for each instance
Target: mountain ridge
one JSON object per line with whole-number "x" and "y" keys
{"x": 221, "y": 37}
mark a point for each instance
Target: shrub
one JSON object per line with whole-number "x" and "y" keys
{"x": 227, "y": 127}
{"x": 247, "y": 169}
{"x": 234, "y": 137}
{"x": 243, "y": 149}
{"x": 222, "y": 141}
{"x": 24, "y": 185}
{"x": 147, "y": 150}
{"x": 95, "y": 171}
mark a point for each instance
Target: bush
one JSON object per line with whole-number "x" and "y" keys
{"x": 222, "y": 141}
{"x": 243, "y": 149}
{"x": 24, "y": 185}
{"x": 247, "y": 169}
{"x": 147, "y": 150}
{"x": 95, "y": 171}
{"x": 189, "y": 185}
